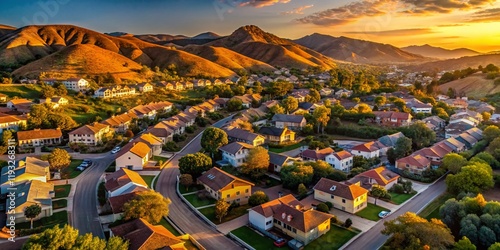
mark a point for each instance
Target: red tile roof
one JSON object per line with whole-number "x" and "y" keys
{"x": 39, "y": 134}
{"x": 350, "y": 192}
{"x": 123, "y": 177}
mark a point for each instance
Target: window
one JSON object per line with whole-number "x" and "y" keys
{"x": 332, "y": 196}
{"x": 246, "y": 191}
{"x": 238, "y": 193}
{"x": 343, "y": 200}
{"x": 238, "y": 200}
{"x": 228, "y": 196}
{"x": 268, "y": 222}
{"x": 294, "y": 230}
{"x": 275, "y": 220}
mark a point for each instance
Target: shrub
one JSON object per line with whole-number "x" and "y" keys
{"x": 190, "y": 129}
{"x": 322, "y": 207}
{"x": 171, "y": 147}
{"x": 348, "y": 223}
{"x": 329, "y": 204}
{"x": 179, "y": 138}
{"x": 397, "y": 188}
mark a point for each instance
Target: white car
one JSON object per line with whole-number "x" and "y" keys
{"x": 115, "y": 150}
{"x": 383, "y": 214}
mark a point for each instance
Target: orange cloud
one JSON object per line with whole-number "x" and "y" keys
{"x": 262, "y": 3}
{"x": 298, "y": 10}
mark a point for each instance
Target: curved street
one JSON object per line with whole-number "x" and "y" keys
{"x": 180, "y": 213}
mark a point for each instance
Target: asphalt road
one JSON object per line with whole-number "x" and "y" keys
{"x": 180, "y": 213}
{"x": 373, "y": 239}
{"x": 84, "y": 216}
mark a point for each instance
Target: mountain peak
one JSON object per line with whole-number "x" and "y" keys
{"x": 206, "y": 35}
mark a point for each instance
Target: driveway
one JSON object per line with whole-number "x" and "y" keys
{"x": 180, "y": 213}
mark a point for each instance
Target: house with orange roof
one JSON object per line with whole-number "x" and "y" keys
{"x": 120, "y": 123}
{"x": 290, "y": 217}
{"x": 316, "y": 154}
{"x": 153, "y": 142}
{"x": 367, "y": 150}
{"x": 90, "y": 134}
{"x": 350, "y": 198}
{"x": 20, "y": 105}
{"x": 55, "y": 102}
{"x": 380, "y": 176}
{"x": 220, "y": 184}
{"x": 141, "y": 235}
{"x": 341, "y": 160}
{"x": 392, "y": 118}
{"x": 39, "y": 137}
{"x": 124, "y": 181}
{"x": 135, "y": 156}
{"x": 12, "y": 122}
{"x": 3, "y": 97}
{"x": 415, "y": 164}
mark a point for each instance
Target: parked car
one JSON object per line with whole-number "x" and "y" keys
{"x": 115, "y": 150}
{"x": 280, "y": 242}
{"x": 80, "y": 168}
{"x": 383, "y": 214}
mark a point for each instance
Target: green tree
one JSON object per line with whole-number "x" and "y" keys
{"x": 474, "y": 178}
{"x": 378, "y": 192}
{"x": 186, "y": 180}
{"x": 234, "y": 104}
{"x": 495, "y": 246}
{"x": 491, "y": 132}
{"x": 413, "y": 232}
{"x": 59, "y": 159}
{"x": 115, "y": 243}
{"x": 290, "y": 104}
{"x": 149, "y": 205}
{"x": 296, "y": 174}
{"x": 31, "y": 212}
{"x": 195, "y": 164}
{"x": 280, "y": 88}
{"x": 322, "y": 116}
{"x": 47, "y": 91}
{"x": 454, "y": 162}
{"x": 7, "y": 135}
{"x": 464, "y": 244}
{"x": 322, "y": 207}
{"x": 212, "y": 139}
{"x": 380, "y": 100}
{"x": 277, "y": 109}
{"x": 313, "y": 96}
{"x": 257, "y": 162}
{"x": 337, "y": 175}
{"x": 302, "y": 190}
{"x": 258, "y": 198}
{"x": 420, "y": 134}
{"x": 321, "y": 170}
{"x": 486, "y": 116}
{"x": 221, "y": 209}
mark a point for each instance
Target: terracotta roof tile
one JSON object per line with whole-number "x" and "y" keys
{"x": 121, "y": 178}
{"x": 39, "y": 134}
{"x": 217, "y": 179}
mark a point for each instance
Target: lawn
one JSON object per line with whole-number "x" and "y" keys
{"x": 148, "y": 179}
{"x": 159, "y": 158}
{"x": 236, "y": 212}
{"x": 371, "y": 212}
{"x": 23, "y": 91}
{"x": 192, "y": 188}
{"x": 62, "y": 191}
{"x": 334, "y": 239}
{"x": 254, "y": 239}
{"x": 59, "y": 203}
{"x": 198, "y": 202}
{"x": 169, "y": 227}
{"x": 60, "y": 218}
{"x": 71, "y": 172}
{"x": 286, "y": 148}
{"x": 400, "y": 198}
{"x": 432, "y": 210}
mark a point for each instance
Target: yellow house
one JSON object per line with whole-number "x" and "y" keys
{"x": 220, "y": 184}
{"x": 350, "y": 198}
{"x": 289, "y": 216}
{"x": 277, "y": 135}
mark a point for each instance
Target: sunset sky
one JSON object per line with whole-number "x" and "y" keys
{"x": 451, "y": 24}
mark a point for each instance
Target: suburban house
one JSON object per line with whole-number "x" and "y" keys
{"x": 153, "y": 142}
{"x": 141, "y": 235}
{"x": 150, "y": 110}
{"x": 289, "y": 216}
{"x": 120, "y": 123}
{"x": 39, "y": 137}
{"x": 277, "y": 161}
{"x": 388, "y": 141}
{"x": 316, "y": 154}
{"x": 467, "y": 139}
{"x": 3, "y": 97}
{"x": 343, "y": 93}
{"x": 349, "y": 198}
{"x": 341, "y": 160}
{"x": 11, "y": 121}
{"x": 248, "y": 99}
{"x": 415, "y": 164}
{"x": 392, "y": 118}
{"x": 457, "y": 103}
{"x": 435, "y": 153}
{"x": 308, "y": 106}
{"x": 289, "y": 121}
{"x": 241, "y": 135}
{"x": 75, "y": 84}
{"x": 455, "y": 145}
{"x": 135, "y": 156}
{"x": 114, "y": 92}
{"x": 116, "y": 203}
{"x": 380, "y": 176}
{"x": 27, "y": 169}
{"x": 436, "y": 122}
{"x": 144, "y": 87}
{"x": 55, "y": 102}
{"x": 235, "y": 153}
{"x": 220, "y": 184}
{"x": 20, "y": 105}
{"x": 418, "y": 106}
{"x": 367, "y": 150}
{"x": 90, "y": 134}
{"x": 164, "y": 133}
{"x": 124, "y": 181}
{"x": 455, "y": 129}
{"x": 276, "y": 135}
{"x": 31, "y": 193}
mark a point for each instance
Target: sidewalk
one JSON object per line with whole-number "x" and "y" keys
{"x": 231, "y": 225}
{"x": 381, "y": 203}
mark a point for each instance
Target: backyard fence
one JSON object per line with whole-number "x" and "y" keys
{"x": 234, "y": 237}
{"x": 192, "y": 207}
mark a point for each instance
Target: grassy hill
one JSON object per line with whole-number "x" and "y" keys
{"x": 458, "y": 64}
{"x": 475, "y": 86}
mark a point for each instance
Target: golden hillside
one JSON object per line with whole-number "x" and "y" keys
{"x": 5, "y": 29}
{"x": 35, "y": 42}
{"x": 228, "y": 58}
{"x": 475, "y": 86}
{"x": 83, "y": 59}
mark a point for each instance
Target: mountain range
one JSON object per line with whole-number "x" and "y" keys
{"x": 441, "y": 53}
{"x": 67, "y": 51}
